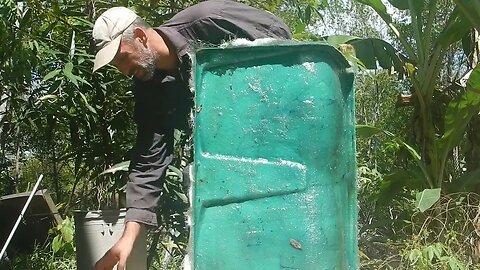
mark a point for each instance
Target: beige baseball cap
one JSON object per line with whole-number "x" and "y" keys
{"x": 108, "y": 31}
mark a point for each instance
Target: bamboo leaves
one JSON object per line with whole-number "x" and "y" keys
{"x": 67, "y": 71}
{"x": 122, "y": 166}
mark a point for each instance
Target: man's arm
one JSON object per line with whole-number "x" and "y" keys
{"x": 152, "y": 154}
{"x": 120, "y": 252}
{"x": 158, "y": 109}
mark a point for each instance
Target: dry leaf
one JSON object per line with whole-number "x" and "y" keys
{"x": 294, "y": 243}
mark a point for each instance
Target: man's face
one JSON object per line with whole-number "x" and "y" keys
{"x": 134, "y": 59}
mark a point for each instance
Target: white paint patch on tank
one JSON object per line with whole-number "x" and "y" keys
{"x": 243, "y": 42}
{"x": 310, "y": 101}
{"x": 288, "y": 163}
{"x": 309, "y": 66}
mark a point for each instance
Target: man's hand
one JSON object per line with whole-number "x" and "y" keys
{"x": 120, "y": 252}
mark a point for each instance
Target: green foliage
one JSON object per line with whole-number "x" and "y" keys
{"x": 376, "y": 105}
{"x": 433, "y": 256}
{"x": 122, "y": 166}
{"x": 440, "y": 120}
{"x": 164, "y": 253}
{"x": 59, "y": 254}
{"x": 445, "y": 236}
{"x": 379, "y": 7}
{"x": 63, "y": 242}
{"x": 471, "y": 9}
{"x": 72, "y": 123}
{"x": 42, "y": 259}
{"x": 422, "y": 147}
{"x": 367, "y": 131}
{"x": 370, "y": 51}
{"x": 427, "y": 198}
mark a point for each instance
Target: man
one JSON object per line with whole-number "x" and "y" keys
{"x": 158, "y": 60}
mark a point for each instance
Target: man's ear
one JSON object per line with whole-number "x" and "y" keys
{"x": 141, "y": 35}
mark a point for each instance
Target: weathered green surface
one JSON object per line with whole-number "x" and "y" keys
{"x": 274, "y": 159}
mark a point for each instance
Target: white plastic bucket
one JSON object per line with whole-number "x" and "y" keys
{"x": 97, "y": 231}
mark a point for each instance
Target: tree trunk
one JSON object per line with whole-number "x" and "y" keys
{"x": 51, "y": 122}
{"x": 17, "y": 167}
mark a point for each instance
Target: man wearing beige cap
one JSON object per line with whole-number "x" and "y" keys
{"x": 158, "y": 60}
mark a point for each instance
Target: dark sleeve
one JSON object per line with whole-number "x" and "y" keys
{"x": 160, "y": 107}
{"x": 152, "y": 154}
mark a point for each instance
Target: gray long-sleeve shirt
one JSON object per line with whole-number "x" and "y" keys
{"x": 163, "y": 103}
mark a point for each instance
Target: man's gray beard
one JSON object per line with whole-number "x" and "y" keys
{"x": 147, "y": 63}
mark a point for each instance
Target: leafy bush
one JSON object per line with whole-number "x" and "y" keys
{"x": 447, "y": 236}
{"x": 59, "y": 254}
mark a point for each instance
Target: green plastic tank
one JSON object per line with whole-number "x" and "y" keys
{"x": 275, "y": 179}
